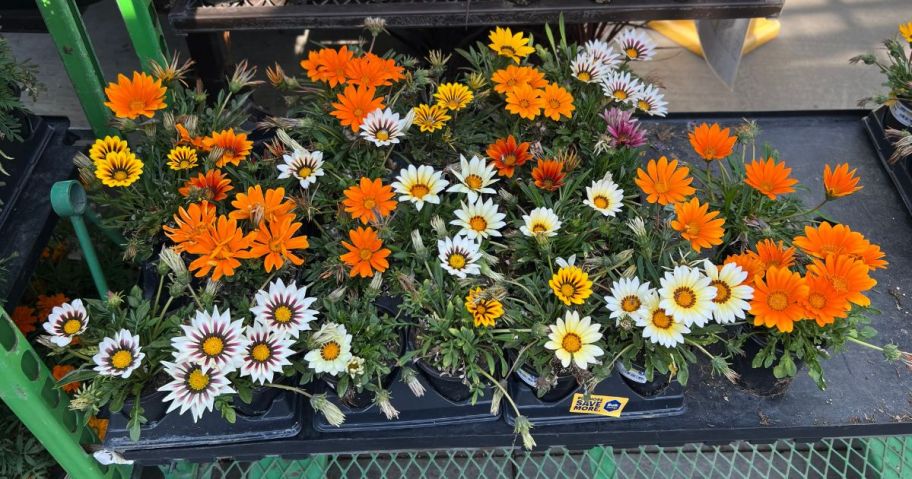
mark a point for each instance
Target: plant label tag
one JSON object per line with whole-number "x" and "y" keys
{"x": 611, "y": 406}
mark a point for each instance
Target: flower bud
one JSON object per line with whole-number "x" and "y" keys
{"x": 523, "y": 427}
{"x": 382, "y": 400}
{"x": 410, "y": 378}
{"x": 330, "y": 411}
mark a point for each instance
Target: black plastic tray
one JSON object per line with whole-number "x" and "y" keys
{"x": 901, "y": 171}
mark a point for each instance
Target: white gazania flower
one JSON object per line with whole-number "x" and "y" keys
{"x": 194, "y": 387}
{"x": 284, "y": 309}
{"x": 651, "y": 101}
{"x": 304, "y": 165}
{"x": 603, "y": 53}
{"x": 265, "y": 353}
{"x": 635, "y": 44}
{"x": 605, "y": 197}
{"x": 659, "y": 327}
{"x": 355, "y": 366}
{"x": 66, "y": 322}
{"x": 475, "y": 176}
{"x": 687, "y": 295}
{"x": 383, "y": 127}
{"x": 459, "y": 255}
{"x": 212, "y": 340}
{"x": 732, "y": 296}
{"x": 419, "y": 185}
{"x": 118, "y": 356}
{"x": 572, "y": 338}
{"x": 588, "y": 69}
{"x": 334, "y": 353}
{"x": 479, "y": 220}
{"x": 621, "y": 87}
{"x": 540, "y": 221}
{"x": 627, "y": 298}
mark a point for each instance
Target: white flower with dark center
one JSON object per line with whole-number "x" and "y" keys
{"x": 572, "y": 338}
{"x": 479, "y": 220}
{"x": 303, "y": 165}
{"x": 732, "y": 295}
{"x": 627, "y": 298}
{"x": 635, "y": 44}
{"x": 212, "y": 340}
{"x": 265, "y": 353}
{"x": 651, "y": 101}
{"x": 383, "y": 127}
{"x": 118, "y": 356}
{"x": 419, "y": 185}
{"x": 605, "y": 197}
{"x": 540, "y": 222}
{"x": 194, "y": 387}
{"x": 621, "y": 87}
{"x": 284, "y": 309}
{"x": 66, "y": 322}
{"x": 459, "y": 256}
{"x": 603, "y": 53}
{"x": 474, "y": 178}
{"x": 687, "y": 295}
{"x": 588, "y": 69}
{"x": 659, "y": 327}
{"x": 334, "y": 351}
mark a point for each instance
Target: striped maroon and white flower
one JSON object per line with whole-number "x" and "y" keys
{"x": 194, "y": 387}
{"x": 284, "y": 309}
{"x": 635, "y": 45}
{"x": 265, "y": 353}
{"x": 211, "y": 340}
{"x": 118, "y": 356}
{"x": 66, "y": 322}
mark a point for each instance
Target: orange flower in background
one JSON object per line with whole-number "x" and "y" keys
{"x": 770, "y": 178}
{"x": 525, "y": 101}
{"x": 840, "y": 181}
{"x": 366, "y": 253}
{"x": 824, "y": 304}
{"x": 506, "y": 79}
{"x": 750, "y": 263}
{"x": 327, "y": 65}
{"x": 872, "y": 256}
{"x": 548, "y": 174}
{"x": 100, "y": 426}
{"x": 697, "y": 224}
{"x": 848, "y": 276}
{"x": 61, "y": 370}
{"x": 185, "y": 139}
{"x": 191, "y": 224}
{"x": 711, "y": 142}
{"x": 372, "y": 71}
{"x": 507, "y": 155}
{"x": 46, "y": 303}
{"x": 258, "y": 207}
{"x": 826, "y": 239}
{"x": 663, "y": 182}
{"x": 772, "y": 254}
{"x": 234, "y": 146}
{"x": 369, "y": 200}
{"x": 211, "y": 185}
{"x": 219, "y": 248}
{"x": 354, "y": 104}
{"x": 24, "y": 318}
{"x": 556, "y": 102}
{"x": 779, "y": 299}
{"x": 275, "y": 240}
{"x": 142, "y": 95}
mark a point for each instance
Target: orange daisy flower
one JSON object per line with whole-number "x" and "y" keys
{"x": 872, "y": 256}
{"x": 369, "y": 200}
{"x": 257, "y": 207}
{"x": 750, "y": 263}
{"x": 354, "y": 104}
{"x": 372, "y": 71}
{"x": 219, "y": 248}
{"x": 234, "y": 147}
{"x": 507, "y": 155}
{"x": 184, "y": 138}
{"x": 556, "y": 102}
{"x": 61, "y": 370}
{"x": 840, "y": 181}
{"x": 525, "y": 101}
{"x": 328, "y": 65}
{"x": 275, "y": 240}
{"x": 826, "y": 239}
{"x": 775, "y": 254}
{"x": 779, "y": 299}
{"x": 697, "y": 224}
{"x": 191, "y": 224}
{"x": 663, "y": 182}
{"x": 770, "y": 178}
{"x": 142, "y": 95}
{"x": 211, "y": 185}
{"x": 711, "y": 142}
{"x": 548, "y": 174}
{"x": 24, "y": 318}
{"x": 848, "y": 276}
{"x": 366, "y": 253}
{"x": 506, "y": 79}
{"x": 47, "y": 303}
{"x": 824, "y": 304}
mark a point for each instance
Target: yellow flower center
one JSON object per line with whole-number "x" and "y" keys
{"x": 369, "y": 204}
{"x": 365, "y": 254}
{"x": 282, "y": 314}
{"x": 137, "y": 105}
{"x": 723, "y": 292}
{"x": 509, "y": 160}
{"x": 453, "y": 104}
{"x": 382, "y": 135}
{"x": 184, "y": 164}
{"x": 419, "y": 191}
{"x": 197, "y": 380}
{"x": 524, "y": 103}
{"x": 572, "y": 343}
{"x": 601, "y": 202}
{"x": 260, "y": 352}
{"x": 632, "y": 53}
{"x": 620, "y": 94}
{"x": 507, "y": 51}
{"x": 481, "y": 310}
{"x": 643, "y": 105}
{"x": 630, "y": 304}
{"x": 685, "y": 297}
{"x": 555, "y": 103}
{"x": 456, "y": 261}
{"x": 72, "y": 326}
{"x": 568, "y": 290}
{"x": 473, "y": 181}
{"x": 330, "y": 351}
{"x": 692, "y": 229}
{"x": 817, "y": 300}
{"x": 119, "y": 175}
{"x": 660, "y": 319}
{"x": 213, "y": 346}
{"x": 584, "y": 76}
{"x": 778, "y": 301}
{"x": 121, "y": 359}
{"x": 358, "y": 112}
{"x": 539, "y": 228}
{"x": 661, "y": 187}
{"x": 477, "y": 223}
{"x": 304, "y": 171}
{"x": 839, "y": 284}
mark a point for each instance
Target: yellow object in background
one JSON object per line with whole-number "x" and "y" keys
{"x": 684, "y": 33}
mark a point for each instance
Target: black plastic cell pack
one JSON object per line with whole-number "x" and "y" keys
{"x": 900, "y": 172}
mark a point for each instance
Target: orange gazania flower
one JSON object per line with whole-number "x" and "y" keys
{"x": 750, "y": 263}
{"x": 191, "y": 223}
{"x": 184, "y": 137}
{"x": 61, "y": 370}
{"x": 275, "y": 240}
{"x": 556, "y": 102}
{"x": 525, "y": 101}
{"x": 219, "y": 248}
{"x": 24, "y": 318}
{"x": 827, "y": 239}
{"x": 366, "y": 253}
{"x": 234, "y": 146}
{"x": 258, "y": 207}
{"x": 872, "y": 256}
{"x": 779, "y": 299}
{"x": 840, "y": 181}
{"x": 775, "y": 254}
{"x": 131, "y": 98}
{"x": 328, "y": 65}
{"x": 711, "y": 142}
{"x": 354, "y": 104}
{"x": 548, "y": 174}
{"x": 369, "y": 200}
{"x": 847, "y": 275}
{"x": 770, "y": 178}
{"x": 663, "y": 182}
{"x": 507, "y": 155}
{"x": 211, "y": 185}
{"x": 506, "y": 79}
{"x": 372, "y": 71}
{"x": 697, "y": 224}
{"x": 824, "y": 304}
{"x": 47, "y": 303}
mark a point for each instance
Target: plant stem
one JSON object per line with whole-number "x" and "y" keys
{"x": 289, "y": 388}
{"x": 161, "y": 283}
{"x": 502, "y": 389}
{"x": 865, "y": 344}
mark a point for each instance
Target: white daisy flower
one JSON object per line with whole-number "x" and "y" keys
{"x": 603, "y": 53}
{"x": 355, "y": 366}
{"x": 475, "y": 176}
{"x": 658, "y": 327}
{"x": 334, "y": 353}
{"x": 284, "y": 309}
{"x": 383, "y": 127}
{"x": 627, "y": 298}
{"x": 635, "y": 44}
{"x": 118, "y": 356}
{"x": 540, "y": 221}
{"x": 621, "y": 87}
{"x": 303, "y": 165}
{"x": 565, "y": 263}
{"x": 459, "y": 256}
{"x": 194, "y": 387}
{"x": 732, "y": 296}
{"x": 479, "y": 220}
{"x": 651, "y": 101}
{"x": 419, "y": 185}
{"x": 212, "y": 340}
{"x": 588, "y": 69}
{"x": 605, "y": 197}
{"x": 686, "y": 294}
{"x": 265, "y": 353}
{"x": 572, "y": 338}
{"x": 66, "y": 322}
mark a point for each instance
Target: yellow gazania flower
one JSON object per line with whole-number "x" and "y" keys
{"x": 453, "y": 96}
{"x": 484, "y": 310}
{"x": 506, "y": 44}
{"x": 430, "y": 118}
{"x": 905, "y": 29}
{"x": 119, "y": 169}
{"x": 103, "y": 146}
{"x": 571, "y": 285}
{"x": 182, "y": 158}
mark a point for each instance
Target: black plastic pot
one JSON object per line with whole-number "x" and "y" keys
{"x": 759, "y": 381}
{"x": 899, "y": 116}
{"x": 635, "y": 378}
{"x": 450, "y": 387}
{"x": 261, "y": 400}
{"x": 563, "y": 386}
{"x": 153, "y": 408}
{"x": 900, "y": 171}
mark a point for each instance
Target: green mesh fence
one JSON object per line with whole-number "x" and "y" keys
{"x": 887, "y": 458}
